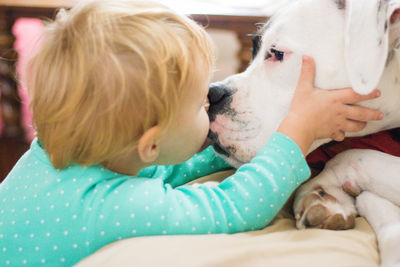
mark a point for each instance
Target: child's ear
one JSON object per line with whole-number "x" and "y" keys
{"x": 148, "y": 148}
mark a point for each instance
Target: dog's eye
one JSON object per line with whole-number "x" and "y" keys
{"x": 274, "y": 55}
{"x": 279, "y": 55}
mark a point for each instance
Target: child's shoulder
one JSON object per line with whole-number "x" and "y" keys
{"x": 35, "y": 166}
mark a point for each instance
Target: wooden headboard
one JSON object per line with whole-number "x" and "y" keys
{"x": 241, "y": 21}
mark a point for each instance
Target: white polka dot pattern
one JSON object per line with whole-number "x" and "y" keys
{"x": 55, "y": 217}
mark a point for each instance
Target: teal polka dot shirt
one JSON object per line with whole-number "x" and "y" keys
{"x": 51, "y": 217}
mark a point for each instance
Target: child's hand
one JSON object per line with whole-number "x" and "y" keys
{"x": 316, "y": 114}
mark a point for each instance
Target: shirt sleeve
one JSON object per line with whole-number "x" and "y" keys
{"x": 247, "y": 200}
{"x": 200, "y": 165}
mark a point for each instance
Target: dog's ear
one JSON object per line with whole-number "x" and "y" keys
{"x": 366, "y": 40}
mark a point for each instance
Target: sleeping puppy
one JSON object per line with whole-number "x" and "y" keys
{"x": 355, "y": 43}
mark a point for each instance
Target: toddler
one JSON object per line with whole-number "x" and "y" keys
{"x": 119, "y": 98}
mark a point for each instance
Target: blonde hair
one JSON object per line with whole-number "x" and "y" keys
{"x": 106, "y": 72}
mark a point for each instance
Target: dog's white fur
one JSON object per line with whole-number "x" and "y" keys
{"x": 351, "y": 48}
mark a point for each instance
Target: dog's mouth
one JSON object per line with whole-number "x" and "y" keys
{"x": 228, "y": 156}
{"x": 225, "y": 152}
{"x": 220, "y": 150}
{"x": 213, "y": 137}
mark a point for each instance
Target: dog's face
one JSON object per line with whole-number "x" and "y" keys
{"x": 248, "y": 107}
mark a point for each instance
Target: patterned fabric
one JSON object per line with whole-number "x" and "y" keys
{"x": 57, "y": 217}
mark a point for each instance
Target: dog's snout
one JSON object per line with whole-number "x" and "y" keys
{"x": 220, "y": 96}
{"x": 217, "y": 93}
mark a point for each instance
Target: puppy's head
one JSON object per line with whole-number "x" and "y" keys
{"x": 349, "y": 42}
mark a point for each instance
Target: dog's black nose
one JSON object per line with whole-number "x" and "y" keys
{"x": 220, "y": 96}
{"x": 217, "y": 93}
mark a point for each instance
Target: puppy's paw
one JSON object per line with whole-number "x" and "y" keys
{"x": 319, "y": 209}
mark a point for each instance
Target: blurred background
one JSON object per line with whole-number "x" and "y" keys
{"x": 229, "y": 22}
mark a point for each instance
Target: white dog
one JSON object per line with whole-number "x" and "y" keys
{"x": 355, "y": 44}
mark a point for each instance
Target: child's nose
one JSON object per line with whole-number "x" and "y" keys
{"x": 220, "y": 96}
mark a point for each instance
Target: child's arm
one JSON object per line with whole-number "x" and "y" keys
{"x": 200, "y": 165}
{"x": 247, "y": 200}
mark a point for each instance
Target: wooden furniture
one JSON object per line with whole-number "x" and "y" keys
{"x": 241, "y": 21}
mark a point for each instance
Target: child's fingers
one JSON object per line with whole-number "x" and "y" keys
{"x": 338, "y": 136}
{"x": 358, "y": 113}
{"x": 307, "y": 75}
{"x": 348, "y": 96}
{"x": 353, "y": 126}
